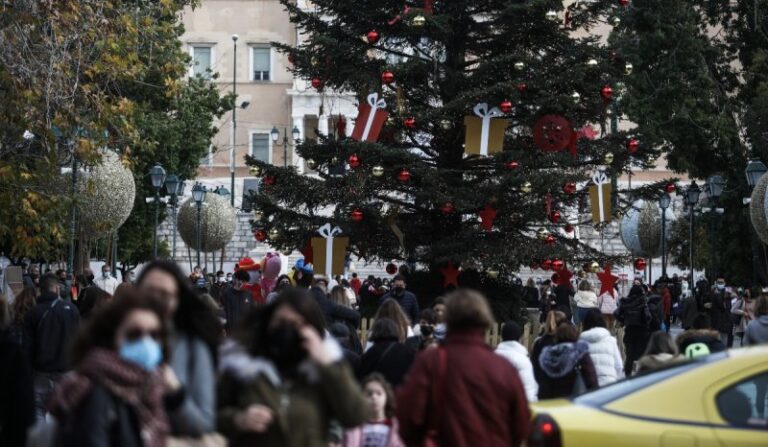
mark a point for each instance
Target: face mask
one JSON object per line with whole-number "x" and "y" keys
{"x": 427, "y": 330}
{"x": 220, "y": 279}
{"x": 105, "y": 274}
{"x": 144, "y": 352}
{"x": 285, "y": 346}
{"x": 720, "y": 286}
{"x": 398, "y": 290}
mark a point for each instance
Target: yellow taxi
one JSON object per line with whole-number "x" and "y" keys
{"x": 716, "y": 401}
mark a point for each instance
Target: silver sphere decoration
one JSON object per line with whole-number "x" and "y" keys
{"x": 105, "y": 196}
{"x": 640, "y": 228}
{"x": 757, "y": 209}
{"x": 217, "y": 223}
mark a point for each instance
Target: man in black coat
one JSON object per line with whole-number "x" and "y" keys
{"x": 404, "y": 298}
{"x": 236, "y": 301}
{"x": 48, "y": 330}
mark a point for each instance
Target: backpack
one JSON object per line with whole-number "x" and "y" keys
{"x": 654, "y": 322}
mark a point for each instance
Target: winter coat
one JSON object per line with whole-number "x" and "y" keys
{"x": 756, "y": 331}
{"x": 666, "y": 304}
{"x": 354, "y": 437}
{"x": 48, "y": 330}
{"x": 607, "y": 303}
{"x": 408, "y": 303}
{"x": 720, "y": 312}
{"x": 236, "y": 305}
{"x": 108, "y": 284}
{"x": 388, "y": 357}
{"x": 517, "y": 355}
{"x": 633, "y": 312}
{"x": 709, "y": 337}
{"x": 656, "y": 309}
{"x": 335, "y": 312}
{"x": 605, "y": 355}
{"x": 538, "y": 346}
{"x": 743, "y": 310}
{"x": 585, "y": 299}
{"x": 17, "y": 410}
{"x": 475, "y": 381}
{"x": 531, "y": 296}
{"x": 559, "y": 364}
{"x": 193, "y": 364}
{"x": 690, "y": 310}
{"x": 303, "y": 407}
{"x": 653, "y": 362}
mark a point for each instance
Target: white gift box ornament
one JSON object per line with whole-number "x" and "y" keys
{"x": 329, "y": 250}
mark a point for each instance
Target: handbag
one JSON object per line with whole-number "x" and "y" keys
{"x": 579, "y": 386}
{"x": 433, "y": 433}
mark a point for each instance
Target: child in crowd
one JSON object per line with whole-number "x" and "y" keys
{"x": 382, "y": 429}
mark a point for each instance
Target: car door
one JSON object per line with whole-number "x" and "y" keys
{"x": 739, "y": 409}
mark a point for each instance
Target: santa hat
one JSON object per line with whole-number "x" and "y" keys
{"x": 248, "y": 265}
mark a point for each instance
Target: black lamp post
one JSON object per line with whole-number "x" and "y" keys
{"x": 692, "y": 198}
{"x": 198, "y": 195}
{"x": 715, "y": 186}
{"x": 664, "y": 202}
{"x": 157, "y": 176}
{"x": 174, "y": 186}
{"x": 755, "y": 170}
{"x": 275, "y": 134}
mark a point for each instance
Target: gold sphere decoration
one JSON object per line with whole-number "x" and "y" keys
{"x": 258, "y": 215}
{"x": 255, "y": 171}
{"x": 446, "y": 124}
{"x": 377, "y": 171}
{"x": 608, "y": 159}
{"x": 576, "y": 97}
{"x": 526, "y": 187}
{"x": 273, "y": 234}
{"x": 419, "y": 21}
{"x": 628, "y": 68}
{"x": 287, "y": 252}
{"x": 592, "y": 63}
{"x": 542, "y": 233}
{"x": 595, "y": 266}
{"x": 492, "y": 273}
{"x": 519, "y": 66}
{"x": 551, "y": 15}
{"x": 311, "y": 164}
{"x": 616, "y": 21}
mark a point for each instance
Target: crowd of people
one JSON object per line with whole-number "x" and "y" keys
{"x": 174, "y": 359}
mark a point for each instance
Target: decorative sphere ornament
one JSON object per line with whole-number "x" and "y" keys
{"x": 594, "y": 267}
{"x": 542, "y": 233}
{"x": 218, "y": 221}
{"x": 628, "y": 68}
{"x": 519, "y": 65}
{"x": 287, "y": 252}
{"x": 512, "y": 165}
{"x": 391, "y": 268}
{"x": 356, "y": 215}
{"x": 555, "y": 216}
{"x": 526, "y": 188}
{"x": 606, "y": 92}
{"x": 575, "y": 97}
{"x": 632, "y": 145}
{"x": 568, "y": 228}
{"x": 311, "y": 164}
{"x": 354, "y": 161}
{"x": 372, "y": 36}
{"x": 292, "y": 58}
{"x": 404, "y": 175}
{"x": 640, "y": 228}
{"x": 506, "y": 106}
{"x": 419, "y": 21}
{"x": 317, "y": 83}
{"x": 608, "y": 158}
{"x": 446, "y": 124}
{"x": 387, "y": 77}
{"x": 377, "y": 171}
{"x": 670, "y": 188}
{"x": 551, "y": 15}
{"x": 106, "y": 196}
{"x": 521, "y": 87}
{"x": 273, "y": 234}
{"x": 757, "y": 209}
{"x": 592, "y": 63}
{"x": 546, "y": 265}
{"x": 447, "y": 208}
{"x": 558, "y": 265}
{"x": 255, "y": 171}
{"x": 492, "y": 273}
{"x": 640, "y": 264}
{"x": 550, "y": 240}
{"x": 269, "y": 180}
{"x": 410, "y": 122}
{"x": 569, "y": 188}
{"x": 624, "y": 2}
{"x": 616, "y": 21}
{"x": 260, "y": 235}
{"x": 258, "y": 215}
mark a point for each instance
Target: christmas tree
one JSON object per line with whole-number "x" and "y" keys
{"x": 481, "y": 127}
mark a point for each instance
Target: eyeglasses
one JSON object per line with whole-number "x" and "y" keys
{"x": 137, "y": 333}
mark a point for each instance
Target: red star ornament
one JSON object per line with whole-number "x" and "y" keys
{"x": 564, "y": 276}
{"x": 309, "y": 255}
{"x": 607, "y": 280}
{"x": 450, "y": 275}
{"x": 487, "y": 216}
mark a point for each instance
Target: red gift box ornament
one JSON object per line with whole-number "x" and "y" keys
{"x": 371, "y": 117}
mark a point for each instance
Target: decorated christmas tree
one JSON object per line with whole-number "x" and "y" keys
{"x": 483, "y": 126}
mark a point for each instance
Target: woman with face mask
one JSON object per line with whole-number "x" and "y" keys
{"x": 116, "y": 395}
{"x": 283, "y": 381}
{"x": 194, "y": 333}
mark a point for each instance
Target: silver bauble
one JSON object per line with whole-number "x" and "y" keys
{"x": 217, "y": 223}
{"x": 105, "y": 196}
{"x": 640, "y": 228}
{"x": 757, "y": 209}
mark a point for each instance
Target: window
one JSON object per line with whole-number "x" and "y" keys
{"x": 745, "y": 404}
{"x": 260, "y": 147}
{"x": 202, "y": 56}
{"x": 261, "y": 63}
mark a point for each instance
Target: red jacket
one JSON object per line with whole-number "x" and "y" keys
{"x": 666, "y": 302}
{"x": 483, "y": 403}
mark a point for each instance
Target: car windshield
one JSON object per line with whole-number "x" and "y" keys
{"x": 622, "y": 388}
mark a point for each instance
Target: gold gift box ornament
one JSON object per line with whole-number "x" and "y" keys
{"x": 329, "y": 251}
{"x": 485, "y": 131}
{"x": 600, "y": 197}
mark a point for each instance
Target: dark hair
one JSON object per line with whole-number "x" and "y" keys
{"x": 702, "y": 321}
{"x": 92, "y": 299}
{"x": 761, "y": 306}
{"x": 593, "y": 319}
{"x": 467, "y": 309}
{"x": 511, "y": 331}
{"x": 660, "y": 343}
{"x": 306, "y": 280}
{"x": 49, "y": 282}
{"x": 24, "y": 302}
{"x": 60, "y": 271}
{"x": 193, "y": 316}
{"x": 384, "y": 329}
{"x": 219, "y": 272}
{"x": 428, "y": 315}
{"x": 438, "y": 300}
{"x": 100, "y": 330}
{"x": 242, "y": 275}
{"x": 354, "y": 275}
{"x": 398, "y": 277}
{"x": 566, "y": 332}
{"x": 390, "y": 406}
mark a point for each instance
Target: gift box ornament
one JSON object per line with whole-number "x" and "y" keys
{"x": 371, "y": 117}
{"x": 485, "y": 131}
{"x": 329, "y": 251}
{"x": 600, "y": 198}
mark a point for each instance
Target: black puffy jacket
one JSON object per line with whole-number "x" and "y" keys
{"x": 633, "y": 312}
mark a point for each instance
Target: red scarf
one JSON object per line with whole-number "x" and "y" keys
{"x": 140, "y": 389}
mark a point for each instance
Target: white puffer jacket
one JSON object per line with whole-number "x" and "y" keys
{"x": 585, "y": 299}
{"x": 604, "y": 352}
{"x": 518, "y": 357}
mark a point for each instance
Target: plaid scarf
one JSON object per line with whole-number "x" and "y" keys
{"x": 140, "y": 389}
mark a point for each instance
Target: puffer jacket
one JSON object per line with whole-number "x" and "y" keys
{"x": 757, "y": 331}
{"x": 517, "y": 355}
{"x": 605, "y": 354}
{"x": 559, "y": 364}
{"x": 585, "y": 299}
{"x": 709, "y": 337}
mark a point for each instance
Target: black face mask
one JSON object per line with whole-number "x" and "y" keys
{"x": 285, "y": 347}
{"x": 91, "y": 278}
{"x": 398, "y": 291}
{"x": 427, "y": 330}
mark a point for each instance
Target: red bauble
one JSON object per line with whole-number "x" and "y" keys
{"x": 568, "y": 228}
{"x": 512, "y": 165}
{"x": 447, "y": 208}
{"x": 547, "y": 264}
{"x": 372, "y": 36}
{"x": 354, "y": 161}
{"x": 269, "y": 180}
{"x": 391, "y": 268}
{"x": 632, "y": 145}
{"x": 606, "y": 92}
{"x": 404, "y": 175}
{"x": 410, "y": 122}
{"x": 552, "y": 133}
{"x": 555, "y": 216}
{"x": 387, "y": 77}
{"x": 506, "y": 106}
{"x": 670, "y": 188}
{"x": 569, "y": 188}
{"x": 624, "y": 2}
{"x": 640, "y": 264}
{"x": 356, "y": 215}
{"x": 292, "y": 58}
{"x": 550, "y": 240}
{"x": 558, "y": 265}
{"x": 522, "y": 87}
{"x": 317, "y": 83}
{"x": 260, "y": 235}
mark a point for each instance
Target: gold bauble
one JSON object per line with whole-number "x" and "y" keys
{"x": 258, "y": 215}
{"x": 615, "y": 21}
{"x": 311, "y": 164}
{"x": 273, "y": 234}
{"x": 576, "y": 97}
{"x": 287, "y": 252}
{"x": 608, "y": 159}
{"x": 519, "y": 66}
{"x": 419, "y": 21}
{"x": 526, "y": 187}
{"x": 595, "y": 266}
{"x": 446, "y": 124}
{"x": 377, "y": 171}
{"x": 592, "y": 63}
{"x": 628, "y": 68}
{"x": 492, "y": 273}
{"x": 335, "y": 160}
{"x": 551, "y": 15}
{"x": 255, "y": 171}
{"x": 542, "y": 233}
{"x": 650, "y": 160}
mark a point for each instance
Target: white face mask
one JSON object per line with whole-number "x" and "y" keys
{"x": 105, "y": 274}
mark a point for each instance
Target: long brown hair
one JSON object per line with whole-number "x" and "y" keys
{"x": 390, "y": 309}
{"x": 339, "y": 296}
{"x": 23, "y": 303}
{"x": 390, "y": 406}
{"x": 554, "y": 318}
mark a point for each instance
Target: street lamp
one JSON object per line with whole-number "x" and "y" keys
{"x": 715, "y": 187}
{"x": 275, "y": 134}
{"x": 174, "y": 186}
{"x": 664, "y": 202}
{"x": 755, "y": 170}
{"x": 157, "y": 176}
{"x": 692, "y": 198}
{"x": 198, "y": 195}
{"x": 232, "y": 153}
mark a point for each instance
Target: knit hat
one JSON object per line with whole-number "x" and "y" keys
{"x": 511, "y": 331}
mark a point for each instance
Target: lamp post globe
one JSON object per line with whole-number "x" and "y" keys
{"x": 157, "y": 176}
{"x": 295, "y": 133}
{"x": 692, "y": 194}
{"x": 755, "y": 170}
{"x": 716, "y": 184}
{"x": 274, "y": 134}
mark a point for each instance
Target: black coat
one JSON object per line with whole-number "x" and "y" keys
{"x": 720, "y": 312}
{"x": 101, "y": 420}
{"x": 335, "y": 312}
{"x": 17, "y": 411}
{"x": 48, "y": 330}
{"x": 408, "y": 303}
{"x": 388, "y": 357}
{"x": 236, "y": 305}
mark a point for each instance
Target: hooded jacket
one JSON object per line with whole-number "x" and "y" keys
{"x": 709, "y": 337}
{"x": 585, "y": 299}
{"x": 605, "y": 355}
{"x": 656, "y": 361}
{"x": 517, "y": 355}
{"x": 633, "y": 311}
{"x": 559, "y": 364}
{"x": 756, "y": 331}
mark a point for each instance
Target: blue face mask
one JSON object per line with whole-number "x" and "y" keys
{"x": 144, "y": 352}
